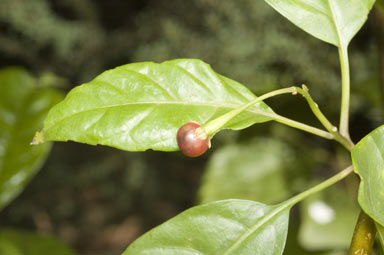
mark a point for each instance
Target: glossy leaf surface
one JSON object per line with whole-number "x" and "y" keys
{"x": 16, "y": 242}
{"x": 368, "y": 161}
{"x": 23, "y": 106}
{"x": 140, "y": 106}
{"x": 225, "y": 227}
{"x": 255, "y": 171}
{"x": 333, "y": 21}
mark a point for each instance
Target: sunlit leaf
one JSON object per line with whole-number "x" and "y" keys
{"x": 255, "y": 171}
{"x": 140, "y": 106}
{"x": 326, "y": 220}
{"x": 333, "y": 21}
{"x": 225, "y": 227}
{"x": 23, "y": 106}
{"x": 368, "y": 161}
{"x": 17, "y": 242}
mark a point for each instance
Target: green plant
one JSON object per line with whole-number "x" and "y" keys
{"x": 24, "y": 103}
{"x": 141, "y": 106}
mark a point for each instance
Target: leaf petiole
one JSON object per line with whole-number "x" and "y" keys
{"x": 319, "y": 187}
{"x": 345, "y": 141}
{"x": 292, "y": 201}
{"x": 345, "y": 91}
{"x": 213, "y": 126}
{"x": 301, "y": 126}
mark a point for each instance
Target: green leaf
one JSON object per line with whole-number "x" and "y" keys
{"x": 326, "y": 220}
{"x": 254, "y": 171}
{"x": 17, "y": 242}
{"x": 333, "y": 21}
{"x": 140, "y": 106}
{"x": 380, "y": 235}
{"x": 225, "y": 227}
{"x": 23, "y": 106}
{"x": 368, "y": 161}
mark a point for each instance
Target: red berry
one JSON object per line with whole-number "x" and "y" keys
{"x": 192, "y": 142}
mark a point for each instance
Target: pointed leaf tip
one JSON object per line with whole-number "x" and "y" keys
{"x": 38, "y": 138}
{"x": 141, "y": 106}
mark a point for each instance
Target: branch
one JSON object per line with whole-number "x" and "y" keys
{"x": 363, "y": 236}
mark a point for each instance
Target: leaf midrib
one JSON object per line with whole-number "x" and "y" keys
{"x": 335, "y": 24}
{"x": 230, "y": 106}
{"x": 271, "y": 214}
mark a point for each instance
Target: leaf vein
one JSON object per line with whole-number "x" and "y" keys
{"x": 269, "y": 215}
{"x": 208, "y": 104}
{"x": 143, "y": 118}
{"x": 154, "y": 82}
{"x": 334, "y": 17}
{"x": 202, "y": 84}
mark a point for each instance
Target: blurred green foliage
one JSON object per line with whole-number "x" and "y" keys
{"x": 17, "y": 242}
{"x": 326, "y": 220}
{"x": 259, "y": 170}
{"x": 23, "y": 106}
{"x": 83, "y": 194}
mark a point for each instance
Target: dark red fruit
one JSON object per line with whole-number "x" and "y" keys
{"x": 191, "y": 140}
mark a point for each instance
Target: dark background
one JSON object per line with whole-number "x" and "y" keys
{"x": 99, "y": 199}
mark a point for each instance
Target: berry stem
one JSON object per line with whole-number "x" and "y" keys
{"x": 215, "y": 125}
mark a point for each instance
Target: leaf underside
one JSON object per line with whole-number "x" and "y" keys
{"x": 226, "y": 227}
{"x": 368, "y": 161}
{"x": 140, "y": 106}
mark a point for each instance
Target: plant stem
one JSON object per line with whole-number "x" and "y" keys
{"x": 286, "y": 205}
{"x": 345, "y": 141}
{"x": 345, "y": 91}
{"x": 365, "y": 230}
{"x": 211, "y": 127}
{"x": 363, "y": 236}
{"x": 214, "y": 126}
{"x": 301, "y": 126}
{"x": 325, "y": 184}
